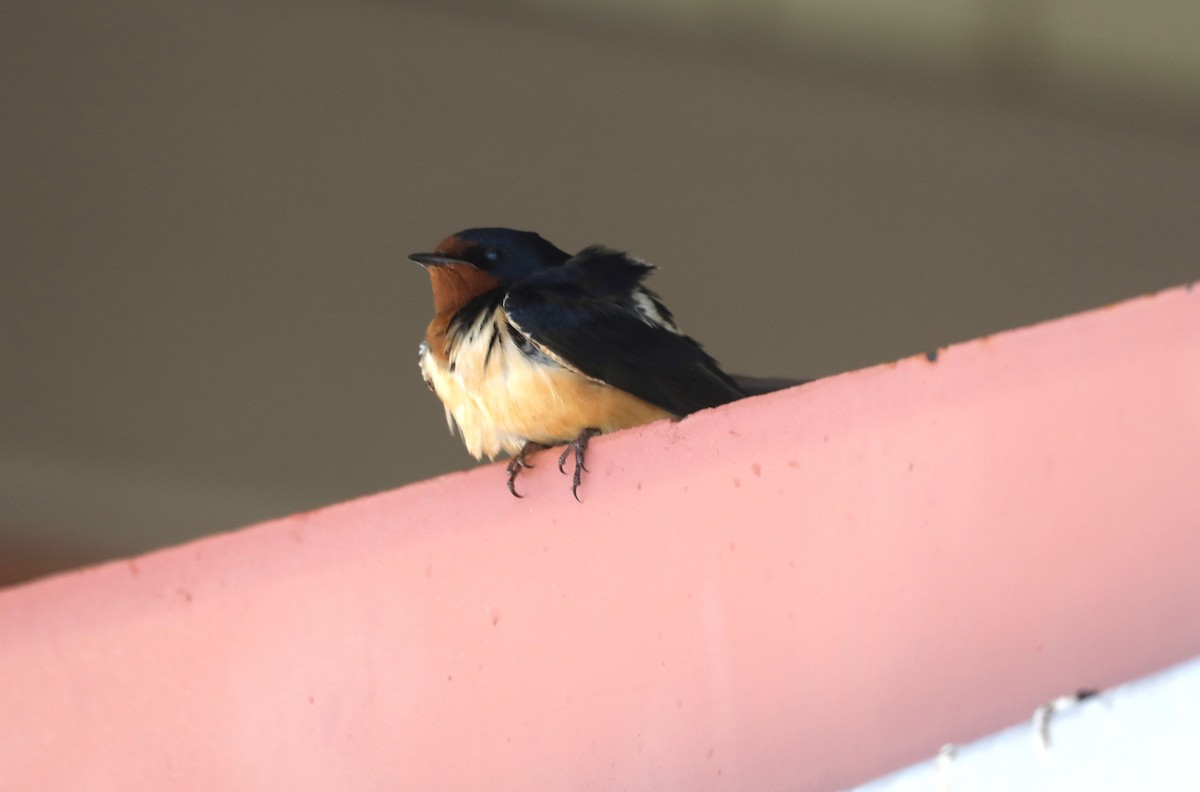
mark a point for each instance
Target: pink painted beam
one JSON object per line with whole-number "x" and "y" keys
{"x": 796, "y": 592}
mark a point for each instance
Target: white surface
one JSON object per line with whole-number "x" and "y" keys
{"x": 1140, "y": 736}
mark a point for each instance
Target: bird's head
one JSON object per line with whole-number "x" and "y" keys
{"x": 475, "y": 261}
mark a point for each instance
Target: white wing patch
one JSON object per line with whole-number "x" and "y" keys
{"x": 648, "y": 310}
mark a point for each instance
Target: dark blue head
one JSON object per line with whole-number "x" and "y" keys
{"x": 505, "y": 254}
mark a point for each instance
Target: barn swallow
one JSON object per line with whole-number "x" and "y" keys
{"x": 531, "y": 347}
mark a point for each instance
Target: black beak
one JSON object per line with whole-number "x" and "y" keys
{"x": 434, "y": 259}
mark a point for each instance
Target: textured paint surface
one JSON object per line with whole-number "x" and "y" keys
{"x": 799, "y": 591}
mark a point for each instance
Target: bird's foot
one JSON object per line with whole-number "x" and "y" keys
{"x": 519, "y": 463}
{"x": 579, "y": 446}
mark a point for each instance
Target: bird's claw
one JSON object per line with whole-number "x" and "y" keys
{"x": 519, "y": 463}
{"x": 579, "y": 446}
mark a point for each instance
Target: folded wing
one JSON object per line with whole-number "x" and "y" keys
{"x": 593, "y": 315}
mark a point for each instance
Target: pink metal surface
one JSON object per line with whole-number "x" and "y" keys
{"x": 794, "y": 592}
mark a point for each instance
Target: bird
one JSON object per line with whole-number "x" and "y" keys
{"x": 531, "y": 347}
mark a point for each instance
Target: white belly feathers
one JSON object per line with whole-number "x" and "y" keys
{"x": 499, "y": 396}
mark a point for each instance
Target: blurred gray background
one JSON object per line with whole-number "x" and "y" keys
{"x": 207, "y": 314}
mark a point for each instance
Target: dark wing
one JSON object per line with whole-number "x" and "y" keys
{"x": 592, "y": 314}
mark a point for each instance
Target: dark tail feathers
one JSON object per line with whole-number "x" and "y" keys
{"x": 757, "y": 386}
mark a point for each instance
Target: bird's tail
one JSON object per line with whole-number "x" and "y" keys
{"x": 757, "y": 386}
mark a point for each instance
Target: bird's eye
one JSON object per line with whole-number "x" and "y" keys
{"x": 493, "y": 254}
